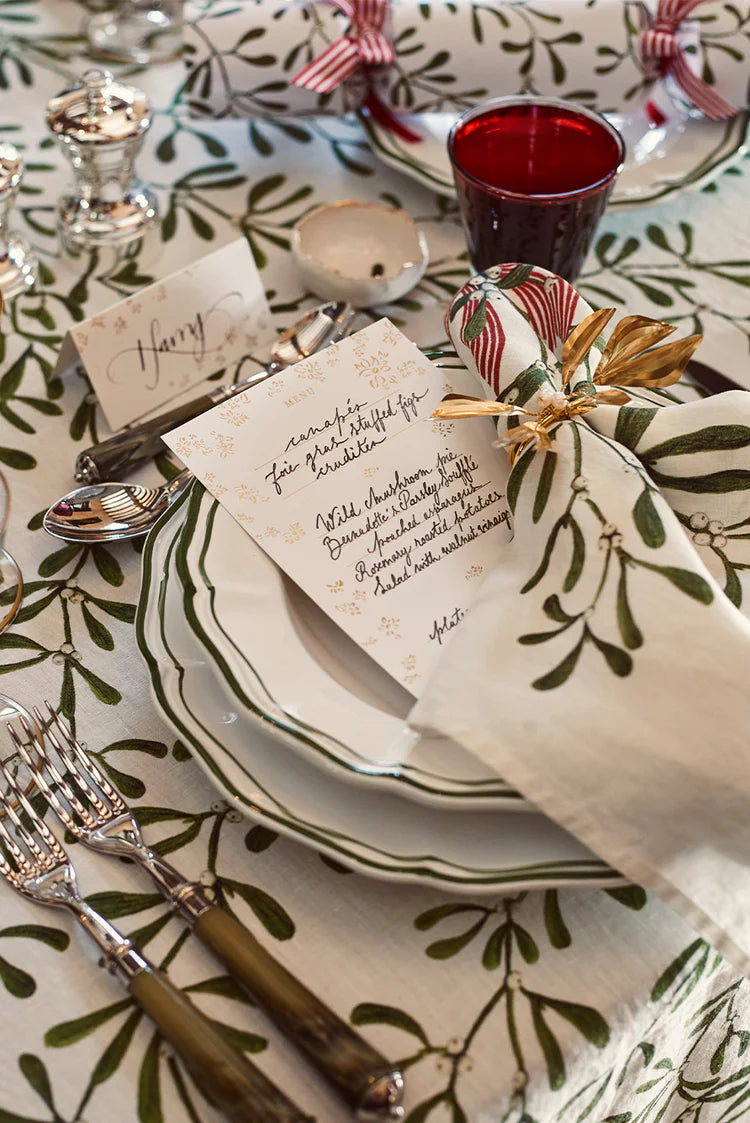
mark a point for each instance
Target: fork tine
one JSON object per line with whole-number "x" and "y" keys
{"x": 57, "y": 776}
{"x": 40, "y": 778}
{"x": 86, "y": 769}
{"x": 53, "y": 846}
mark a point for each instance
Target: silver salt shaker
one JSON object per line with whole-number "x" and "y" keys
{"x": 18, "y": 264}
{"x": 101, "y": 125}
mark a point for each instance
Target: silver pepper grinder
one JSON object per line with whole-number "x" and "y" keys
{"x": 18, "y": 264}
{"x": 101, "y": 125}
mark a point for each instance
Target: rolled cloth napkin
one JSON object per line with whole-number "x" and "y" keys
{"x": 261, "y": 58}
{"x": 604, "y": 668}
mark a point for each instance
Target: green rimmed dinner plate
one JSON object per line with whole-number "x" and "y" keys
{"x": 368, "y": 830}
{"x": 288, "y": 665}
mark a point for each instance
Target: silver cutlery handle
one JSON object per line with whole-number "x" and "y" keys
{"x": 122, "y": 452}
{"x": 371, "y": 1086}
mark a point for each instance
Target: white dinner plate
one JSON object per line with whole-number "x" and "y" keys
{"x": 367, "y": 830}
{"x": 683, "y": 155}
{"x": 292, "y": 668}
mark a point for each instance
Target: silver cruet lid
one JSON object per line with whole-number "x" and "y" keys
{"x": 99, "y": 111}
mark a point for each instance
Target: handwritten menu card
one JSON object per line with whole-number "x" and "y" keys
{"x": 386, "y": 518}
{"x": 148, "y": 348}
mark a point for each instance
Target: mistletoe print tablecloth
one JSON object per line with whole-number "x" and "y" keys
{"x": 532, "y": 1007}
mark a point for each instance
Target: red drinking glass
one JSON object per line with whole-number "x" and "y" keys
{"x": 533, "y": 176}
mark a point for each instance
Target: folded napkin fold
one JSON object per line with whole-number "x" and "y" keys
{"x": 603, "y": 669}
{"x": 268, "y": 58}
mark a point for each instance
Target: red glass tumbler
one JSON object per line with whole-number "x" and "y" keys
{"x": 533, "y": 176}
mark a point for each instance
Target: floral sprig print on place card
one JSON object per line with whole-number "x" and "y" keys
{"x": 213, "y": 485}
{"x": 336, "y": 587}
{"x": 120, "y": 325}
{"x": 410, "y": 667}
{"x": 390, "y": 625}
{"x": 442, "y": 428}
{"x": 294, "y": 533}
{"x": 411, "y": 369}
{"x": 233, "y": 412}
{"x": 473, "y": 571}
{"x": 224, "y": 444}
{"x": 370, "y": 472}
{"x": 190, "y": 443}
{"x": 349, "y": 608}
{"x": 250, "y": 494}
{"x": 369, "y": 642}
{"x": 377, "y": 370}
{"x": 313, "y": 371}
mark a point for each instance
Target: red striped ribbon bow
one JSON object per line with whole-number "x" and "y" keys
{"x": 660, "y": 42}
{"x": 365, "y": 44}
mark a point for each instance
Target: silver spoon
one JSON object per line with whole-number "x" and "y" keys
{"x": 111, "y": 511}
{"x": 124, "y": 451}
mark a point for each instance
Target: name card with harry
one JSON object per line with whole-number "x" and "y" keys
{"x": 147, "y": 349}
{"x": 387, "y": 518}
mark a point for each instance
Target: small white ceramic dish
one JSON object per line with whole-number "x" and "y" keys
{"x": 365, "y": 253}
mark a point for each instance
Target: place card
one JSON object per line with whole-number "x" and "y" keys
{"x": 148, "y": 348}
{"x": 387, "y": 518}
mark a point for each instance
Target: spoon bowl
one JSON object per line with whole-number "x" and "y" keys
{"x": 110, "y": 512}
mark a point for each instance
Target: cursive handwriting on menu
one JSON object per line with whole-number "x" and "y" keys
{"x": 197, "y": 336}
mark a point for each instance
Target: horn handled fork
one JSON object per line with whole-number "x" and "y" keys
{"x": 33, "y": 862}
{"x": 96, "y": 814}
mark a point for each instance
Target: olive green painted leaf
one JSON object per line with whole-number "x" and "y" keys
{"x": 176, "y": 841}
{"x": 544, "y": 485}
{"x": 526, "y": 943}
{"x": 557, "y": 931}
{"x": 478, "y": 321}
{"x": 647, "y": 520}
{"x": 553, "y": 1057}
{"x": 656, "y": 296}
{"x": 518, "y": 275}
{"x": 17, "y": 982}
{"x": 629, "y": 630}
{"x": 618, "y": 661}
{"x": 713, "y": 438}
{"x": 108, "y": 565}
{"x": 259, "y": 839}
{"x": 375, "y": 1013}
{"x": 732, "y": 585}
{"x": 169, "y": 224}
{"x": 13, "y": 377}
{"x": 273, "y": 916}
{"x": 544, "y": 563}
{"x": 492, "y": 956}
{"x": 113, "y": 904}
{"x": 100, "y": 635}
{"x": 554, "y": 609}
{"x": 685, "y": 580}
{"x": 165, "y": 149}
{"x": 53, "y": 937}
{"x": 716, "y": 483}
{"x": 562, "y": 672}
{"x": 103, "y": 691}
{"x": 110, "y": 1059}
{"x": 140, "y": 745}
{"x": 452, "y": 945}
{"x": 149, "y": 1092}
{"x": 262, "y": 188}
{"x": 586, "y": 1019}
{"x": 143, "y": 935}
{"x": 632, "y": 896}
{"x": 717, "y": 1057}
{"x": 132, "y": 787}
{"x": 201, "y": 227}
{"x": 519, "y": 470}
{"x": 55, "y": 561}
{"x": 632, "y": 423}
{"x": 36, "y": 1074}
{"x": 11, "y": 1117}
{"x": 67, "y": 1033}
{"x": 668, "y": 976}
{"x": 120, "y": 611}
{"x": 578, "y": 556}
{"x": 242, "y": 1039}
{"x": 432, "y": 916}
{"x": 180, "y": 752}
{"x": 541, "y": 637}
{"x": 224, "y": 986}
{"x": 656, "y": 235}
{"x": 422, "y": 1111}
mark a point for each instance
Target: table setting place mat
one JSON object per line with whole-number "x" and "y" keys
{"x": 595, "y": 645}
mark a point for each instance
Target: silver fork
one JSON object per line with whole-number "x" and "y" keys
{"x": 94, "y": 812}
{"x": 33, "y": 862}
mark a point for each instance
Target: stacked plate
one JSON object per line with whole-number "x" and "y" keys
{"x": 304, "y": 732}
